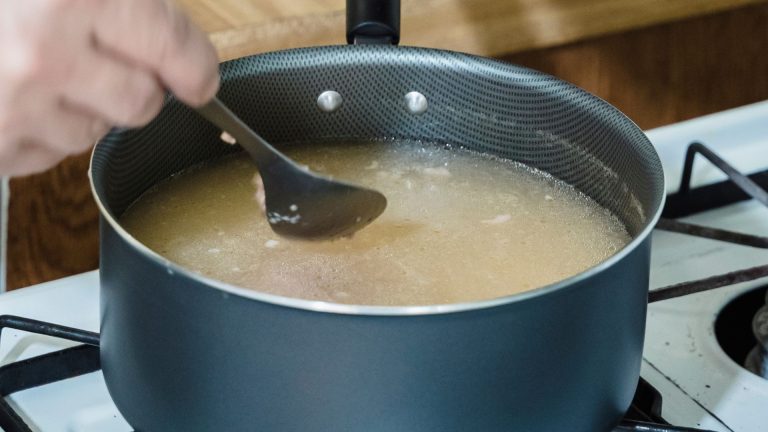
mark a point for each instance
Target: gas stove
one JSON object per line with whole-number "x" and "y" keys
{"x": 695, "y": 346}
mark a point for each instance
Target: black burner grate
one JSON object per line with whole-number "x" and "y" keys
{"x": 686, "y": 201}
{"x": 44, "y": 369}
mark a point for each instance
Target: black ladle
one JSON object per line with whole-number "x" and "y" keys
{"x": 299, "y": 203}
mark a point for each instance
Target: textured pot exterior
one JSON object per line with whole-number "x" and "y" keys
{"x": 179, "y": 355}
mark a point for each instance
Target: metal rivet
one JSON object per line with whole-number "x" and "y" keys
{"x": 415, "y": 102}
{"x": 329, "y": 101}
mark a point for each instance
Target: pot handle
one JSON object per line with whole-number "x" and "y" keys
{"x": 373, "y": 22}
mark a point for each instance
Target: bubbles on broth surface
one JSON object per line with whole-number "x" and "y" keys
{"x": 459, "y": 227}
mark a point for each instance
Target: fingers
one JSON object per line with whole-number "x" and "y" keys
{"x": 41, "y": 151}
{"x": 69, "y": 130}
{"x": 29, "y": 158}
{"x": 156, "y": 35}
{"x": 111, "y": 61}
{"x": 114, "y": 90}
{"x": 43, "y": 133}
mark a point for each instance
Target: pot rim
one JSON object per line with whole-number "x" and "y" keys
{"x": 354, "y": 309}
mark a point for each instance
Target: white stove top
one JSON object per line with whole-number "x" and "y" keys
{"x": 77, "y": 405}
{"x": 700, "y": 385}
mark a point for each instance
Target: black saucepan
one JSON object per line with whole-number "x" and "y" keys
{"x": 181, "y": 352}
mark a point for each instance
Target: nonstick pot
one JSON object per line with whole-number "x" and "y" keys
{"x": 181, "y": 352}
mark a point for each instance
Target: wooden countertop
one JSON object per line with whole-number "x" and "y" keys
{"x": 484, "y": 27}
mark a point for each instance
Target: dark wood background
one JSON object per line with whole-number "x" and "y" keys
{"x": 656, "y": 75}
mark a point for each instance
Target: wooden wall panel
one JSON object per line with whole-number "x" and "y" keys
{"x": 672, "y": 72}
{"x": 483, "y": 27}
{"x": 53, "y": 225}
{"x": 657, "y": 75}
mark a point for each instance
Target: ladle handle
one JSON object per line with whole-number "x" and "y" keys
{"x": 260, "y": 150}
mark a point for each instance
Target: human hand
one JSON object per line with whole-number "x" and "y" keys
{"x": 71, "y": 69}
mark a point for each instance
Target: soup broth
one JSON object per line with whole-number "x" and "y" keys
{"x": 459, "y": 227}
